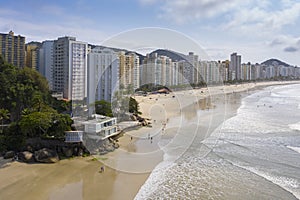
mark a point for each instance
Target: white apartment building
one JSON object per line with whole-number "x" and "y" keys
{"x": 103, "y": 75}
{"x": 77, "y": 80}
{"x": 70, "y": 68}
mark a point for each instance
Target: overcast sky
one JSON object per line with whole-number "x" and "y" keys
{"x": 256, "y": 29}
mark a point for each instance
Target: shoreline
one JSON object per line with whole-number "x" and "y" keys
{"x": 79, "y": 178}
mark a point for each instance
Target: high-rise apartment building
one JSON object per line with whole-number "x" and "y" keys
{"x": 235, "y": 69}
{"x": 156, "y": 70}
{"x": 129, "y": 72}
{"x": 12, "y": 48}
{"x": 70, "y": 68}
{"x": 46, "y": 61}
{"x": 32, "y": 55}
{"x": 103, "y": 75}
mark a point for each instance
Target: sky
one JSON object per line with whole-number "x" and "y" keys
{"x": 256, "y": 29}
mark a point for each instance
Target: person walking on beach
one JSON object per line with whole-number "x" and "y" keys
{"x": 102, "y": 169}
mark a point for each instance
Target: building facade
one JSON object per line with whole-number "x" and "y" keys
{"x": 46, "y": 61}
{"x": 12, "y": 49}
{"x": 32, "y": 55}
{"x": 235, "y": 67}
{"x": 103, "y": 75}
{"x": 70, "y": 68}
{"x": 129, "y": 71}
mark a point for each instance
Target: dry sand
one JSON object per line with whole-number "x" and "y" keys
{"x": 79, "y": 178}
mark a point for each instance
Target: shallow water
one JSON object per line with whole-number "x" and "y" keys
{"x": 253, "y": 155}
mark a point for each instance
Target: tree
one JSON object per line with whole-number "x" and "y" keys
{"x": 36, "y": 124}
{"x": 4, "y": 115}
{"x": 103, "y": 108}
{"x": 133, "y": 106}
{"x": 45, "y": 123}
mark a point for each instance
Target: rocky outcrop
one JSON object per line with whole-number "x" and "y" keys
{"x": 46, "y": 156}
{"x": 26, "y": 156}
{"x": 9, "y": 154}
{"x": 68, "y": 152}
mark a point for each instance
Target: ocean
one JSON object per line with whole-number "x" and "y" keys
{"x": 253, "y": 154}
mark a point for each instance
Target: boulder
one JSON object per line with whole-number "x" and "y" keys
{"x": 80, "y": 152}
{"x": 29, "y": 148}
{"x": 133, "y": 118}
{"x": 110, "y": 148}
{"x": 46, "y": 156}
{"x": 9, "y": 154}
{"x": 116, "y": 145}
{"x": 26, "y": 156}
{"x": 68, "y": 152}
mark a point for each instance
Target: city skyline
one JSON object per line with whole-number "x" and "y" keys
{"x": 258, "y": 30}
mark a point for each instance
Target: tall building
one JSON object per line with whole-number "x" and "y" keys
{"x": 156, "y": 70}
{"x": 103, "y": 75}
{"x": 12, "y": 48}
{"x": 46, "y": 61}
{"x": 235, "y": 67}
{"x": 193, "y": 60}
{"x": 32, "y": 55}
{"x": 129, "y": 72}
{"x": 70, "y": 68}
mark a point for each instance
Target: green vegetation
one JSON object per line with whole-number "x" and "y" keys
{"x": 123, "y": 104}
{"x": 103, "y": 108}
{"x": 26, "y": 105}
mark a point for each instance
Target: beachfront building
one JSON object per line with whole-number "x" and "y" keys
{"x": 100, "y": 127}
{"x": 46, "y": 61}
{"x": 103, "y": 75}
{"x": 194, "y": 64}
{"x": 156, "y": 70}
{"x": 129, "y": 71}
{"x": 70, "y": 68}
{"x": 235, "y": 66}
{"x": 12, "y": 49}
{"x": 224, "y": 70}
{"x": 174, "y": 73}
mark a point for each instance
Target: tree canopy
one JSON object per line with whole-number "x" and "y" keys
{"x": 26, "y": 103}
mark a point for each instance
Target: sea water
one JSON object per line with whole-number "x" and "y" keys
{"x": 252, "y": 155}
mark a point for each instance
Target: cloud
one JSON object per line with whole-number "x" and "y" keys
{"x": 290, "y": 49}
{"x": 258, "y": 16}
{"x": 182, "y": 11}
{"x": 52, "y": 10}
{"x": 293, "y": 45}
{"x": 40, "y": 32}
{"x": 264, "y": 21}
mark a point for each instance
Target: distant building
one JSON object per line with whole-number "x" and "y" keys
{"x": 70, "y": 68}
{"x": 46, "y": 61}
{"x": 32, "y": 55}
{"x": 156, "y": 70}
{"x": 129, "y": 71}
{"x": 194, "y": 61}
{"x": 235, "y": 66}
{"x": 12, "y": 49}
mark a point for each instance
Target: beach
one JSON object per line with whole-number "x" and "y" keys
{"x": 141, "y": 150}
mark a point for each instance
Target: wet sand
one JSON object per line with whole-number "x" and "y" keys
{"x": 79, "y": 178}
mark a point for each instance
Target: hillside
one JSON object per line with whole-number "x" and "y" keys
{"x": 275, "y": 62}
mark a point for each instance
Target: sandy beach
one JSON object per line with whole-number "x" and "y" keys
{"x": 127, "y": 168}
